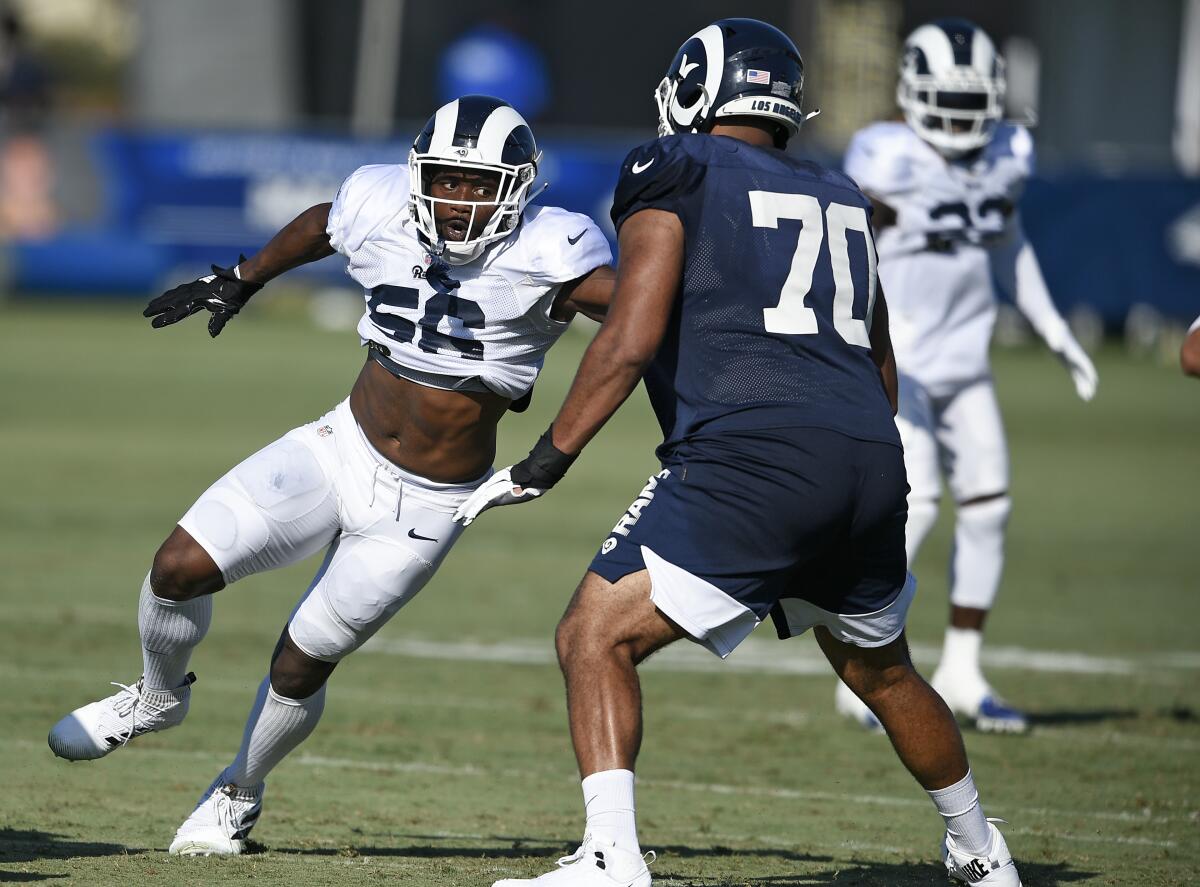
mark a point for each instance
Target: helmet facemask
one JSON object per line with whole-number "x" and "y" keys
{"x": 957, "y": 111}
{"x": 512, "y": 194}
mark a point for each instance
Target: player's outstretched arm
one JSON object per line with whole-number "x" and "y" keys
{"x": 225, "y": 292}
{"x": 881, "y": 350}
{"x": 302, "y": 240}
{"x": 589, "y": 295}
{"x": 1017, "y": 273}
{"x": 651, "y": 245}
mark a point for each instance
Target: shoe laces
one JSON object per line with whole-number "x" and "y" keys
{"x": 565, "y": 861}
{"x": 127, "y": 704}
{"x": 223, "y": 809}
{"x": 648, "y": 857}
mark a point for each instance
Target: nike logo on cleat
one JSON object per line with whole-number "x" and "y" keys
{"x": 574, "y": 240}
{"x": 413, "y": 534}
{"x": 974, "y": 870}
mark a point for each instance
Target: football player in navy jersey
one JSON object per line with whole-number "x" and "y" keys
{"x": 747, "y": 300}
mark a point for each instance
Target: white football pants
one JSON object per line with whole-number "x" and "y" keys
{"x": 961, "y": 435}
{"x": 323, "y": 485}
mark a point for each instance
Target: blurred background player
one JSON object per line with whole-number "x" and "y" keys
{"x": 945, "y": 184}
{"x": 466, "y": 288}
{"x": 1189, "y": 352}
{"x": 782, "y": 489}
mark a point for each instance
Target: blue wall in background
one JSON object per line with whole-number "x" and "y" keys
{"x": 176, "y": 202}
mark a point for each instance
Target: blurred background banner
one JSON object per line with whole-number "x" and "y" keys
{"x": 141, "y": 140}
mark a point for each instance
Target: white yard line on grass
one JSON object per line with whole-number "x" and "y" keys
{"x": 771, "y": 657}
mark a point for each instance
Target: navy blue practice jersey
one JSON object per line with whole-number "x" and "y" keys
{"x": 770, "y": 328}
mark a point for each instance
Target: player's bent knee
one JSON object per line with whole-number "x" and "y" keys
{"x": 295, "y": 674}
{"x": 183, "y": 570}
{"x": 578, "y": 636}
{"x": 362, "y": 586}
{"x": 983, "y": 518}
{"x": 612, "y": 619}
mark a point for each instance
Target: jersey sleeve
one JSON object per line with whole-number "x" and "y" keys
{"x": 367, "y": 200}
{"x": 657, "y": 175}
{"x": 568, "y": 246}
{"x": 559, "y": 246}
{"x": 877, "y": 165}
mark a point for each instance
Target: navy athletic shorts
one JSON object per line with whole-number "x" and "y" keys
{"x": 784, "y": 513}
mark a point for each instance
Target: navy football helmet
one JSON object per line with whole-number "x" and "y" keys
{"x": 736, "y": 67}
{"x": 482, "y": 133}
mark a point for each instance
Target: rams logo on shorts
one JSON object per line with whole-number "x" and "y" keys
{"x": 630, "y": 517}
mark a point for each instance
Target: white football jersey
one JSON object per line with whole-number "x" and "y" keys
{"x": 934, "y": 262}
{"x": 495, "y": 326}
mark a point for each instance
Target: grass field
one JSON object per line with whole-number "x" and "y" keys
{"x": 443, "y": 758}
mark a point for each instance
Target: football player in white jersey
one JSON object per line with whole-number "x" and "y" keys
{"x": 945, "y": 183}
{"x": 466, "y": 288}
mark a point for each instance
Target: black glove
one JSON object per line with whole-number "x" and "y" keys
{"x": 544, "y": 466}
{"x": 222, "y": 292}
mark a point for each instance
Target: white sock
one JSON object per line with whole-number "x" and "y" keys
{"x": 959, "y": 806}
{"x": 276, "y": 726}
{"x": 960, "y": 653}
{"x": 608, "y": 803}
{"x": 169, "y": 631}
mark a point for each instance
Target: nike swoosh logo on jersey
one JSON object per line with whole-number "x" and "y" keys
{"x": 574, "y": 240}
{"x": 641, "y": 167}
{"x": 413, "y": 534}
{"x": 685, "y": 68}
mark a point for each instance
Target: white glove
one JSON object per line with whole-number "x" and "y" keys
{"x": 1083, "y": 372}
{"x": 496, "y": 490}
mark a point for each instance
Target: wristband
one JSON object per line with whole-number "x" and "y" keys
{"x": 544, "y": 466}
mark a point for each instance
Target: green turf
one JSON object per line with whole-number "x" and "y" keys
{"x": 439, "y": 772}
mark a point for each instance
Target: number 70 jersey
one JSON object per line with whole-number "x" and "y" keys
{"x": 771, "y": 327}
{"x": 488, "y": 319}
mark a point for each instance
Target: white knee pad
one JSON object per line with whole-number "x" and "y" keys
{"x": 361, "y": 585}
{"x": 275, "y": 508}
{"x": 978, "y": 558}
{"x": 922, "y": 515}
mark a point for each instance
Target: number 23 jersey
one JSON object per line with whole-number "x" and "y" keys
{"x": 495, "y": 325}
{"x": 770, "y": 326}
{"x": 935, "y": 261}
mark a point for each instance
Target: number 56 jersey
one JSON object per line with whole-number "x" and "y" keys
{"x": 487, "y": 320}
{"x": 770, "y": 329}
{"x": 935, "y": 262}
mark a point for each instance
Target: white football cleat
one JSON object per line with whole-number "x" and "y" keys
{"x": 221, "y": 821}
{"x": 101, "y": 727}
{"x": 974, "y": 699}
{"x": 855, "y": 709}
{"x": 597, "y": 863}
{"x": 996, "y": 867}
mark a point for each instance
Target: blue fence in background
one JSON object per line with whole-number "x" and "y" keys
{"x": 174, "y": 202}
